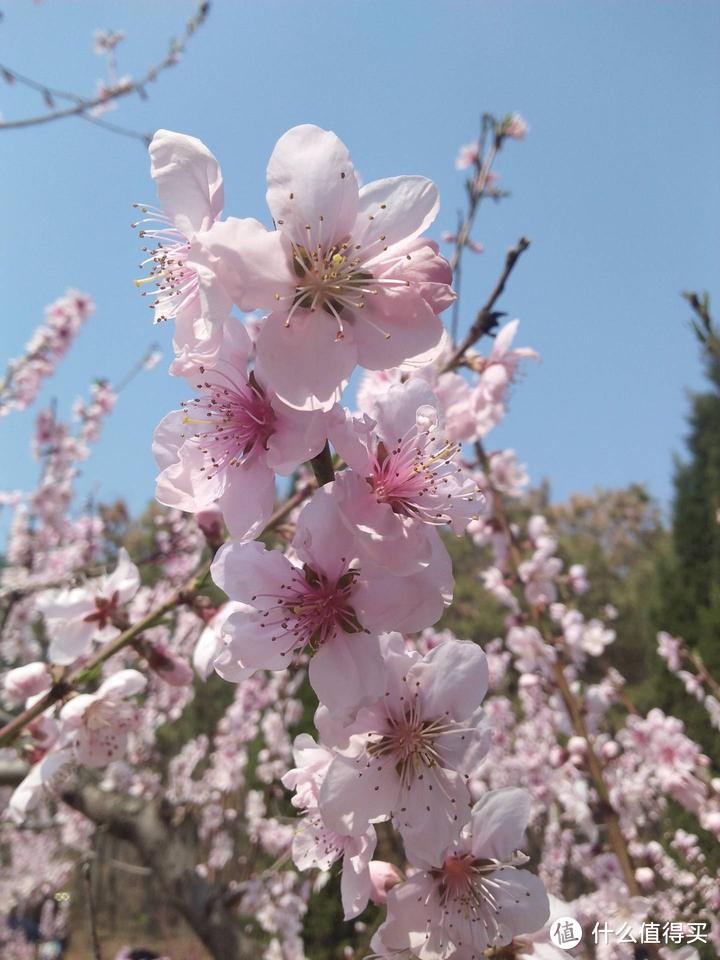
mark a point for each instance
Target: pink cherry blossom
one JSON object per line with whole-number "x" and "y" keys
{"x": 473, "y": 896}
{"x": 410, "y": 751}
{"x": 413, "y": 477}
{"x": 506, "y": 474}
{"x": 224, "y": 446}
{"x": 577, "y": 578}
{"x": 345, "y": 274}
{"x": 670, "y": 649}
{"x": 326, "y": 602}
{"x": 167, "y": 666}
{"x": 75, "y": 616}
{"x": 383, "y": 877}
{"x": 515, "y": 126}
{"x": 190, "y": 189}
{"x": 211, "y": 642}
{"x": 97, "y": 724}
{"x": 314, "y": 845}
{"x": 467, "y": 156}
{"x": 27, "y": 681}
{"x": 39, "y": 784}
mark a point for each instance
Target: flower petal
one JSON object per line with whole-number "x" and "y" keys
{"x": 303, "y": 362}
{"x": 310, "y": 175}
{"x": 396, "y": 208}
{"x": 356, "y": 791}
{"x": 499, "y": 821}
{"x": 346, "y": 673}
{"x": 251, "y": 261}
{"x": 188, "y": 178}
{"x": 393, "y": 327}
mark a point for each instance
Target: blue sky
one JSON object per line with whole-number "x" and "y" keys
{"x": 616, "y": 186}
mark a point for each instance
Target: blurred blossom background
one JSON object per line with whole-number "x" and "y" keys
{"x": 615, "y": 184}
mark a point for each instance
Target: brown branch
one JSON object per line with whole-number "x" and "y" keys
{"x": 170, "y": 852}
{"x": 487, "y": 318}
{"x": 476, "y": 191}
{"x": 703, "y": 673}
{"x": 572, "y": 704}
{"x": 81, "y": 106}
{"x": 92, "y": 921}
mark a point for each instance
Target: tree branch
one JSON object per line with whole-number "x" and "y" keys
{"x": 81, "y": 106}
{"x": 486, "y": 319}
{"x": 170, "y": 852}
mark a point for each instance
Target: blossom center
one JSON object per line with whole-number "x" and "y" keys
{"x": 105, "y": 607}
{"x": 232, "y": 421}
{"x": 415, "y": 477}
{"x": 410, "y": 742}
{"x": 330, "y": 279}
{"x": 176, "y": 283}
{"x": 310, "y": 609}
{"x": 333, "y": 276}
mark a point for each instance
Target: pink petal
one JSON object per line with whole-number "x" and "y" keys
{"x": 243, "y": 570}
{"x": 401, "y": 208}
{"x": 124, "y": 580}
{"x": 440, "y": 798}
{"x": 252, "y": 262}
{"x": 346, "y": 673}
{"x": 124, "y": 683}
{"x": 393, "y": 327}
{"x": 355, "y": 885}
{"x": 188, "y": 179}
{"x": 303, "y": 362}
{"x": 356, "y": 791}
{"x": 74, "y": 639}
{"x": 524, "y": 901}
{"x": 310, "y": 175}
{"x": 396, "y": 409}
{"x": 298, "y": 436}
{"x": 248, "y": 499}
{"x": 499, "y": 821}
{"x": 454, "y": 678}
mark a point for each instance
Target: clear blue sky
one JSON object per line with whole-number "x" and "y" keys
{"x": 617, "y": 186}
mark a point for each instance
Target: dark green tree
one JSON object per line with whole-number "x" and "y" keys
{"x": 688, "y": 596}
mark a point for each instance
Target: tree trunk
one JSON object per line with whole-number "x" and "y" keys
{"x": 171, "y": 853}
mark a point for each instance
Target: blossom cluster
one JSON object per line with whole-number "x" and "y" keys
{"x": 25, "y": 375}
{"x": 430, "y": 758}
{"x": 348, "y": 278}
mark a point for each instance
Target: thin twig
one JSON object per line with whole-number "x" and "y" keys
{"x": 487, "y": 318}
{"x": 81, "y": 106}
{"x": 87, "y": 879}
{"x": 572, "y": 703}
{"x": 703, "y": 327}
{"x": 476, "y": 191}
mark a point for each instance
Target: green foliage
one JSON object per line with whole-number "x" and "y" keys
{"x": 687, "y": 596}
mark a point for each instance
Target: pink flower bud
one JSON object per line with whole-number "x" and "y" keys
{"x": 211, "y": 524}
{"x": 27, "y": 681}
{"x": 645, "y": 876}
{"x": 383, "y": 877}
{"x": 169, "y": 668}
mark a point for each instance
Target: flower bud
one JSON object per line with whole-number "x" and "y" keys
{"x": 27, "y": 681}
{"x": 168, "y": 667}
{"x": 383, "y": 877}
